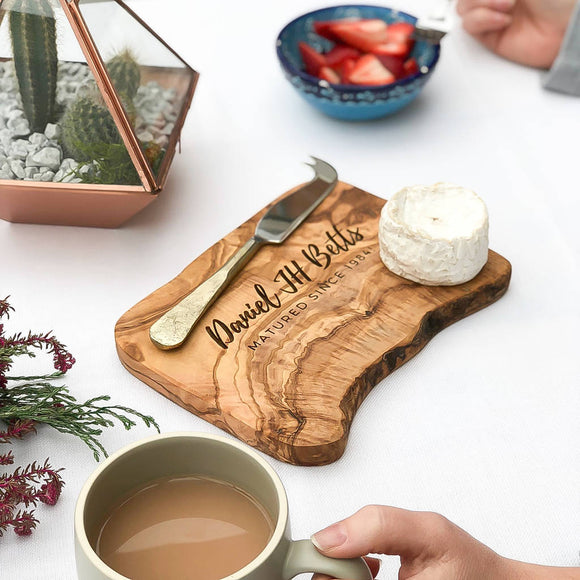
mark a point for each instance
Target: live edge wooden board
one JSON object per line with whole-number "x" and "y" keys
{"x": 287, "y": 354}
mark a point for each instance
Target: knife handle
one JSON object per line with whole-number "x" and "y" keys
{"x": 171, "y": 330}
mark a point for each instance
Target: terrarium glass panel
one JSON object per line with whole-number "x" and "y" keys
{"x": 152, "y": 82}
{"x": 88, "y": 94}
{"x": 54, "y": 123}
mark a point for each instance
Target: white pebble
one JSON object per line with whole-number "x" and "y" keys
{"x": 68, "y": 164}
{"x": 162, "y": 141}
{"x": 17, "y": 166}
{"x": 145, "y": 137}
{"x": 5, "y": 170}
{"x": 168, "y": 129}
{"x": 52, "y": 131}
{"x": 46, "y": 176}
{"x": 20, "y": 127}
{"x": 71, "y": 178}
{"x": 15, "y": 114}
{"x": 19, "y": 148}
{"x": 49, "y": 157}
{"x": 38, "y": 138}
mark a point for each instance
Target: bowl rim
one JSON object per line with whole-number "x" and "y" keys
{"x": 344, "y": 88}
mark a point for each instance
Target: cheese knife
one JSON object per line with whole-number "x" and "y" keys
{"x": 172, "y": 329}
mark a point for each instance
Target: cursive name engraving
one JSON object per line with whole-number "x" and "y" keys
{"x": 290, "y": 279}
{"x": 336, "y": 243}
{"x": 224, "y": 334}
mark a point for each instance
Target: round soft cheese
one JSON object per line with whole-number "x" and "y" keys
{"x": 434, "y": 234}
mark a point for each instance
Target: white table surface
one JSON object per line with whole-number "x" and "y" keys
{"x": 482, "y": 425}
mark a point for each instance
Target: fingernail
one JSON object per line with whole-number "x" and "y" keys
{"x": 331, "y": 537}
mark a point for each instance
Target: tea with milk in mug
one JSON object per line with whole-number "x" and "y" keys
{"x": 183, "y": 527}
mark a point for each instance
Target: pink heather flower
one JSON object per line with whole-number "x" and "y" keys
{"x": 6, "y": 511}
{"x": 5, "y": 307}
{"x": 24, "y": 523}
{"x": 7, "y": 458}
{"x": 17, "y": 429}
{"x": 50, "y": 492}
{"x": 61, "y": 358}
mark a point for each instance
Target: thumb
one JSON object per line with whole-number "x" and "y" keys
{"x": 381, "y": 530}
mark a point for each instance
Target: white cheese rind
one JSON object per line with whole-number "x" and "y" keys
{"x": 436, "y": 235}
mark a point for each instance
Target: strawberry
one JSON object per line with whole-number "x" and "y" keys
{"x": 328, "y": 74}
{"x": 410, "y": 67}
{"x": 399, "y": 40}
{"x": 368, "y": 70}
{"x": 393, "y": 63}
{"x": 391, "y": 48}
{"x": 362, "y": 34}
{"x": 346, "y": 69}
{"x": 366, "y": 51}
{"x": 401, "y": 31}
{"x": 339, "y": 53}
{"x": 313, "y": 60}
{"x": 324, "y": 27}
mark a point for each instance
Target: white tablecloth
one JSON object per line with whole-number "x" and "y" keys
{"x": 482, "y": 425}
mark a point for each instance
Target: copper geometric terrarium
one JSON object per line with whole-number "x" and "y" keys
{"x": 92, "y": 103}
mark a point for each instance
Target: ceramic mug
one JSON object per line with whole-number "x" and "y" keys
{"x": 179, "y": 454}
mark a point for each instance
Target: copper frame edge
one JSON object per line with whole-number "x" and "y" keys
{"x": 97, "y": 66}
{"x": 76, "y": 187}
{"x": 188, "y": 99}
{"x": 152, "y": 32}
{"x": 176, "y": 133}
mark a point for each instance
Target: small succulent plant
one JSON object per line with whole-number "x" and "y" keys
{"x": 125, "y": 74}
{"x": 87, "y": 122}
{"x": 89, "y": 133}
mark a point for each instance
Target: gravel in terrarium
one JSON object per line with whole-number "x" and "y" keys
{"x": 40, "y": 156}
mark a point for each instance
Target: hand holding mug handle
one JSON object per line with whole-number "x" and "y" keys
{"x": 303, "y": 557}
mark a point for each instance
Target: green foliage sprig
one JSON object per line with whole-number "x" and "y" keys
{"x": 110, "y": 164}
{"x": 29, "y": 401}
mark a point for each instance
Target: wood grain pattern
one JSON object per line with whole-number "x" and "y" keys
{"x": 302, "y": 335}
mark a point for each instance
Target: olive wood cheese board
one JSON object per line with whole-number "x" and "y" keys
{"x": 286, "y": 355}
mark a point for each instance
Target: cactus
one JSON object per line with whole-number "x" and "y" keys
{"x": 86, "y": 122}
{"x": 33, "y": 34}
{"x": 89, "y": 133}
{"x": 125, "y": 74}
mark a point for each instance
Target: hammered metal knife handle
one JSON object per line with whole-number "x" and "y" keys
{"x": 171, "y": 330}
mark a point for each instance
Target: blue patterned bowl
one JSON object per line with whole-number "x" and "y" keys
{"x": 352, "y": 103}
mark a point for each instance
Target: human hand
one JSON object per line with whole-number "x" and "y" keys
{"x": 430, "y": 548}
{"x": 529, "y": 32}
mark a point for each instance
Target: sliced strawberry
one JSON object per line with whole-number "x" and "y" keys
{"x": 324, "y": 27}
{"x": 339, "y": 53}
{"x": 368, "y": 70}
{"x": 410, "y": 67}
{"x": 393, "y": 63}
{"x": 313, "y": 60}
{"x": 328, "y": 74}
{"x": 346, "y": 69}
{"x": 401, "y": 31}
{"x": 392, "y": 48}
{"x": 362, "y": 34}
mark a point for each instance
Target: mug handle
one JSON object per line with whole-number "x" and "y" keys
{"x": 303, "y": 557}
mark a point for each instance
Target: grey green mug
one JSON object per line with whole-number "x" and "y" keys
{"x": 178, "y": 454}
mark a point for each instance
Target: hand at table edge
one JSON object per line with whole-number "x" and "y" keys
{"x": 429, "y": 545}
